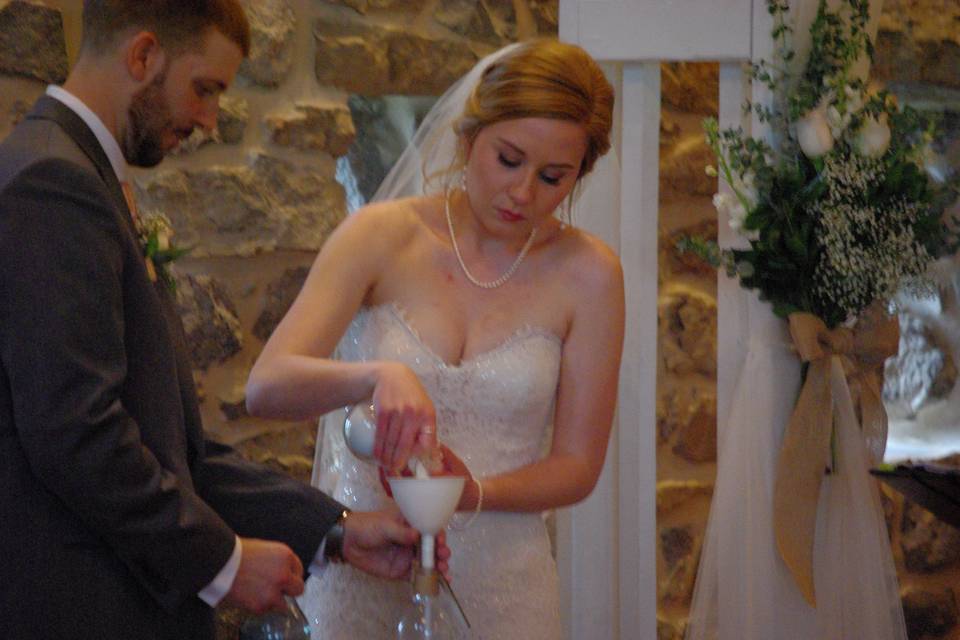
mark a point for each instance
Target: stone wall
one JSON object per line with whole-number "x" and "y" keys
{"x": 687, "y": 347}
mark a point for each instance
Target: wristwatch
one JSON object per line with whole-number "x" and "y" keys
{"x": 333, "y": 541}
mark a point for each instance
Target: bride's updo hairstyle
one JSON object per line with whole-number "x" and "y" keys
{"x": 543, "y": 78}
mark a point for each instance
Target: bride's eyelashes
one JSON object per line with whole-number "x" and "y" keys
{"x": 513, "y": 164}
{"x": 507, "y": 162}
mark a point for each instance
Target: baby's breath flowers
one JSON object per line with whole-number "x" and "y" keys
{"x": 869, "y": 249}
{"x": 841, "y": 213}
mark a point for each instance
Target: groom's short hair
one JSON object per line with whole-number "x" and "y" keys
{"x": 178, "y": 24}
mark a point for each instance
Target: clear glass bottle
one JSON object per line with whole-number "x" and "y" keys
{"x": 431, "y": 612}
{"x": 288, "y": 624}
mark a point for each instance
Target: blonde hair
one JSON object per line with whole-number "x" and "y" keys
{"x": 543, "y": 78}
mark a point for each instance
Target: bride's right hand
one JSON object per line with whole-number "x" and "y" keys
{"x": 406, "y": 418}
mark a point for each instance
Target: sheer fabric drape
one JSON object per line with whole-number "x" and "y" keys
{"x": 743, "y": 589}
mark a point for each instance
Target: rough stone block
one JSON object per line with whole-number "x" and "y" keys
{"x": 682, "y": 167}
{"x": 468, "y": 18}
{"x": 545, "y": 14}
{"x": 239, "y": 210}
{"x": 680, "y": 550}
{"x": 272, "y": 25}
{"x": 426, "y": 66}
{"x": 927, "y": 543}
{"x": 666, "y": 630}
{"x": 929, "y": 614}
{"x": 376, "y": 6}
{"x": 313, "y": 125}
{"x": 370, "y": 59}
{"x": 692, "y": 87}
{"x": 688, "y": 330}
{"x": 209, "y": 319}
{"x": 233, "y": 403}
{"x": 286, "y": 448}
{"x": 232, "y": 120}
{"x": 17, "y": 96}
{"x": 673, "y": 493}
{"x": 676, "y": 543}
{"x": 32, "y": 42}
{"x": 697, "y": 438}
{"x": 919, "y": 42}
{"x": 686, "y": 263}
{"x": 353, "y": 63}
{"x": 280, "y": 296}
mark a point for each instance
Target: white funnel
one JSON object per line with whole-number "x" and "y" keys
{"x": 427, "y": 504}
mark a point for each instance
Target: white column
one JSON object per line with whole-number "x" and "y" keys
{"x": 607, "y": 544}
{"x": 640, "y": 174}
{"x": 588, "y": 533}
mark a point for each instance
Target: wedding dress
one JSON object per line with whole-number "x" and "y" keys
{"x": 494, "y": 410}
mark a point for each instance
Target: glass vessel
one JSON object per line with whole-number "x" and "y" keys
{"x": 288, "y": 624}
{"x": 431, "y": 612}
{"x": 360, "y": 430}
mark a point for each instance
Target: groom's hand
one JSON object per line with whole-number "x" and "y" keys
{"x": 381, "y": 543}
{"x": 268, "y": 570}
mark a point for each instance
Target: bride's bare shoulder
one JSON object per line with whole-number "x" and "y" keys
{"x": 395, "y": 221}
{"x": 588, "y": 258}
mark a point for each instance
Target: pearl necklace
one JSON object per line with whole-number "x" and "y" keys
{"x": 492, "y": 284}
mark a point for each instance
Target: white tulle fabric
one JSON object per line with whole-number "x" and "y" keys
{"x": 495, "y": 409}
{"x": 743, "y": 589}
{"x": 433, "y": 149}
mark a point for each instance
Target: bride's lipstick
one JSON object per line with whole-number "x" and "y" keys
{"x": 510, "y": 216}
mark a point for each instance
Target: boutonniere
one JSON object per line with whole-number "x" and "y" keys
{"x": 159, "y": 251}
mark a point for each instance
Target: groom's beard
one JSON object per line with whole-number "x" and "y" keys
{"x": 148, "y": 118}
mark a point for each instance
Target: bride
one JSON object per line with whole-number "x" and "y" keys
{"x": 460, "y": 301}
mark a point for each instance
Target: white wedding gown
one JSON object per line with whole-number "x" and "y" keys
{"x": 494, "y": 410}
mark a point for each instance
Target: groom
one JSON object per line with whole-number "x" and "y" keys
{"x": 118, "y": 520}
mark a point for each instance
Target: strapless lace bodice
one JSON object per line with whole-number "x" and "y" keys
{"x": 495, "y": 410}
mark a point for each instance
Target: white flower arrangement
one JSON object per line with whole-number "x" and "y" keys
{"x": 842, "y": 213}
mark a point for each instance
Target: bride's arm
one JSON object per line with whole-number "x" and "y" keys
{"x": 295, "y": 378}
{"x": 586, "y": 399}
{"x": 295, "y": 366}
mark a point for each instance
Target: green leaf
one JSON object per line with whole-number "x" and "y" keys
{"x": 784, "y": 309}
{"x": 171, "y": 254}
{"x": 797, "y": 246}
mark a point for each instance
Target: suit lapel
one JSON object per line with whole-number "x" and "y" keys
{"x": 48, "y": 108}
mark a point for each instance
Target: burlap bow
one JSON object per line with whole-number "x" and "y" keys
{"x": 842, "y": 386}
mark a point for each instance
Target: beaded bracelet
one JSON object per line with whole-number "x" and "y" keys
{"x": 476, "y": 509}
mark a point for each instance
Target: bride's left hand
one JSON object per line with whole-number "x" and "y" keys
{"x": 454, "y": 466}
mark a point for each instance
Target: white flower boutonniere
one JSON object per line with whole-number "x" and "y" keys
{"x": 156, "y": 235}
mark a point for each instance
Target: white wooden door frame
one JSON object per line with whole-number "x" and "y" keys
{"x": 607, "y": 544}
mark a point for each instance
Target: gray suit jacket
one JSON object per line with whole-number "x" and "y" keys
{"x": 114, "y": 510}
